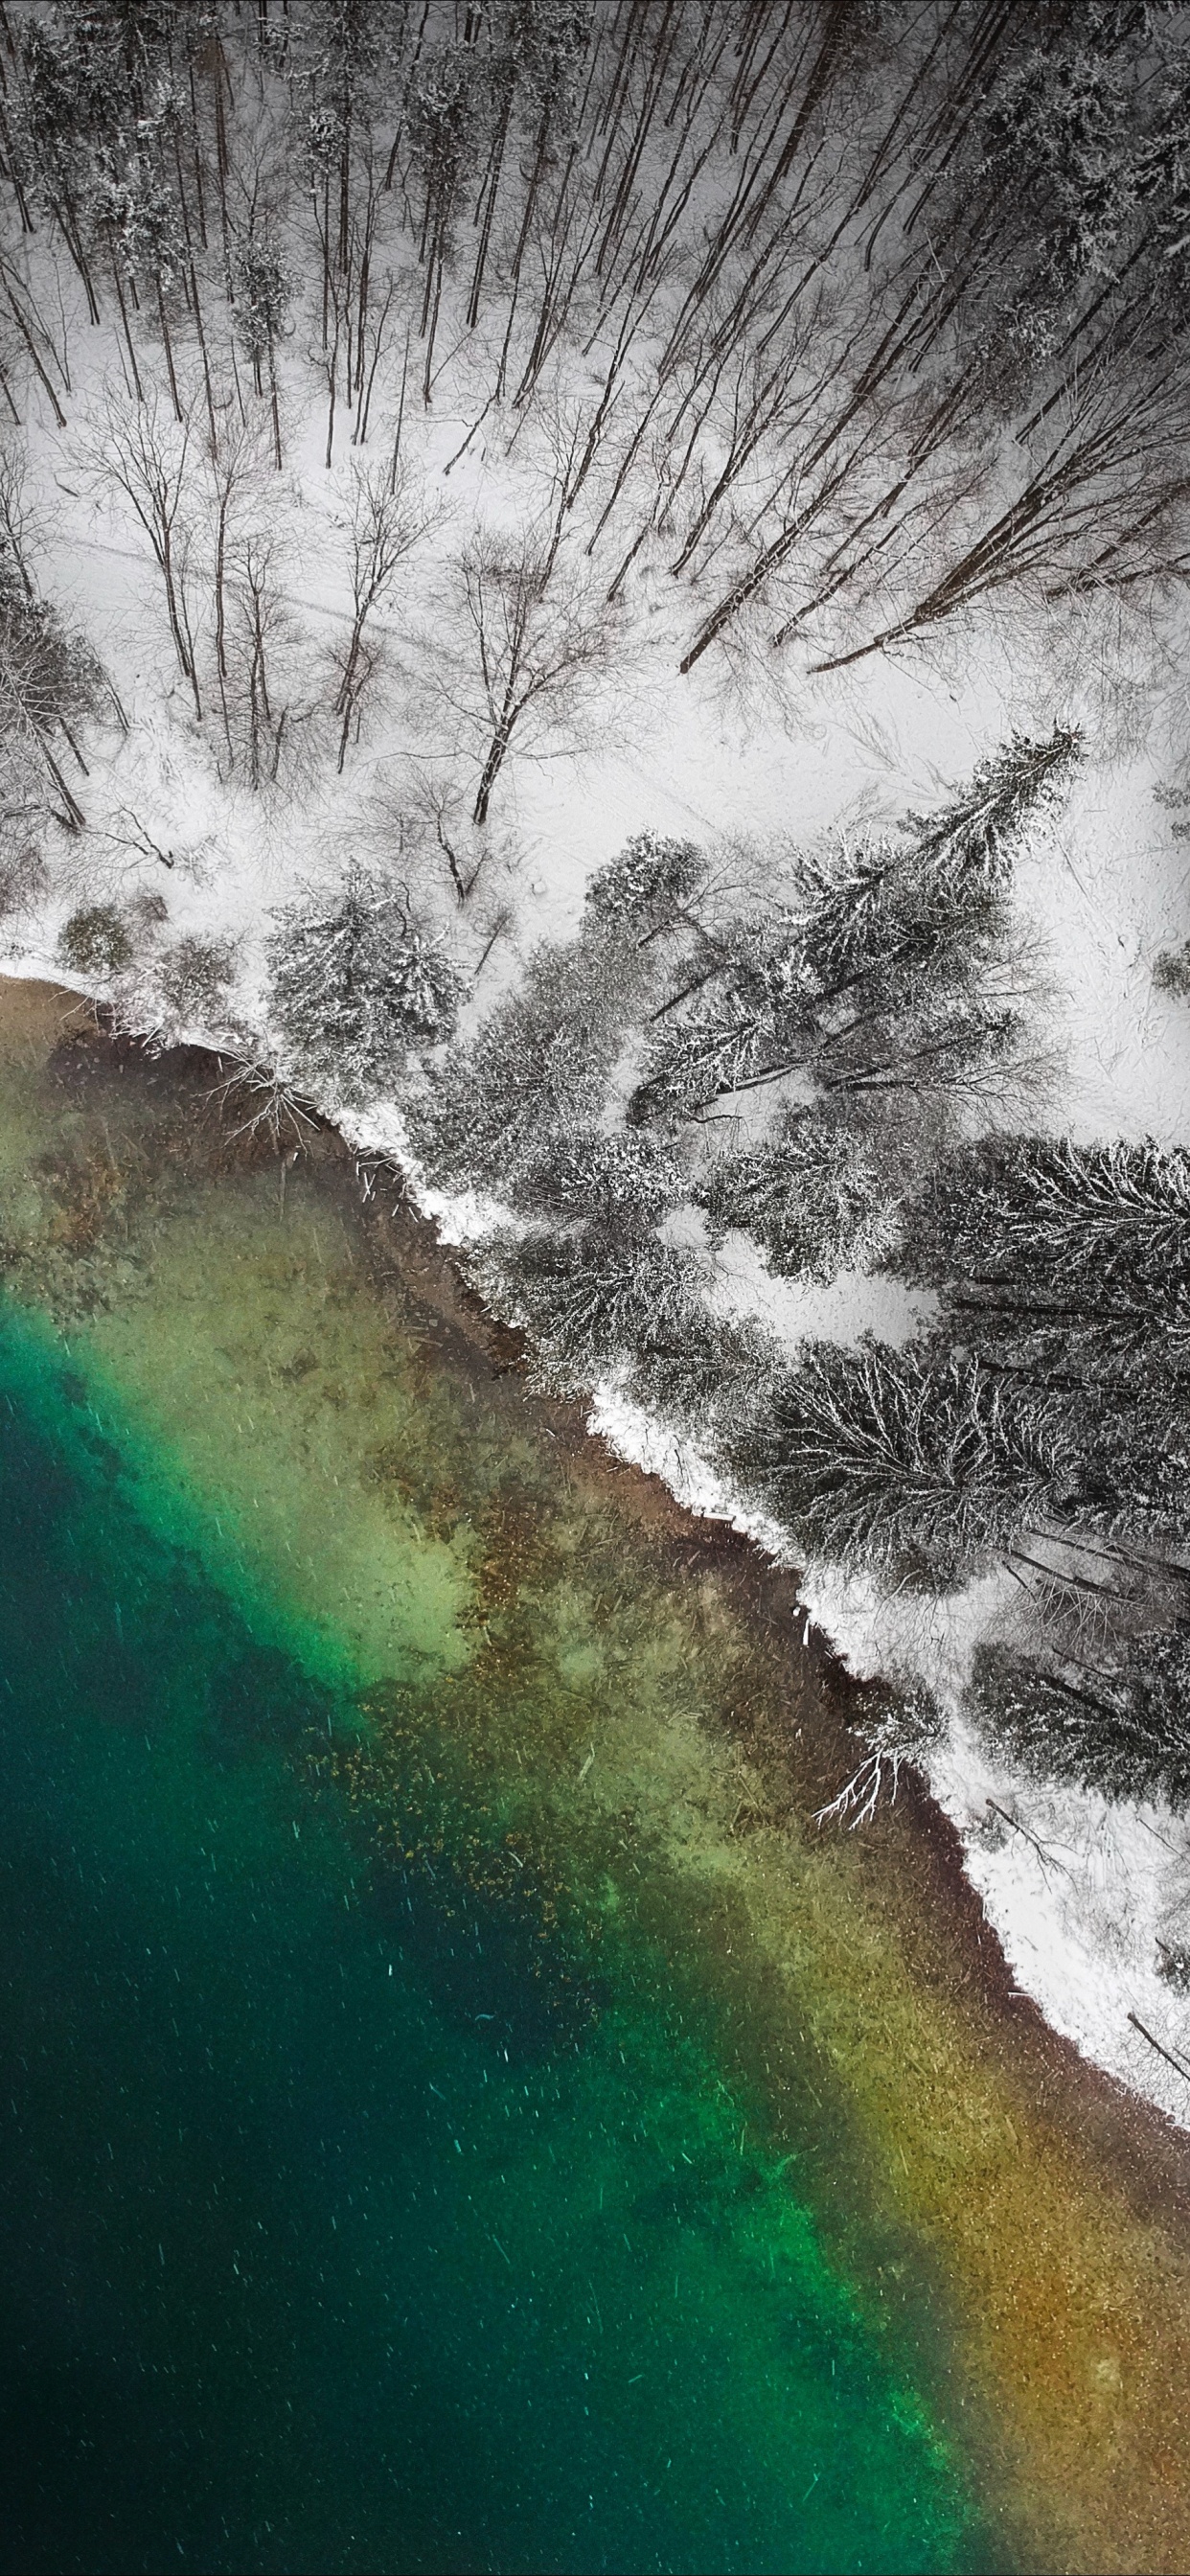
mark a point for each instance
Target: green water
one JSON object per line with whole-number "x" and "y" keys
{"x": 361, "y": 2210}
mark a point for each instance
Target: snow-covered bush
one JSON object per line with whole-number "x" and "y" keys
{"x": 96, "y": 941}
{"x": 23, "y": 875}
{"x": 354, "y": 985}
{"x": 811, "y": 1196}
{"x": 647, "y": 885}
{"x": 194, "y": 975}
{"x": 1171, "y": 971}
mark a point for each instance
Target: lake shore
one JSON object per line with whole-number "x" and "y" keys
{"x": 1049, "y": 2210}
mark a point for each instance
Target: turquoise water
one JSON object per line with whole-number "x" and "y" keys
{"x": 349, "y": 2224}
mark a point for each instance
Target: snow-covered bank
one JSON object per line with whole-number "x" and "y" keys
{"x": 1079, "y": 1890}
{"x": 1086, "y": 1895}
{"x": 215, "y": 542}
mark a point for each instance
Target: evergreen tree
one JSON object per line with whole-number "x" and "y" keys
{"x": 1061, "y": 144}
{"x": 354, "y": 985}
{"x": 1010, "y": 792}
{"x": 538, "y": 1070}
{"x": 1069, "y": 1262}
{"x": 881, "y": 969}
{"x": 919, "y": 1466}
{"x": 811, "y": 1195}
{"x": 1124, "y": 1730}
{"x": 648, "y": 886}
{"x": 50, "y": 682}
{"x": 263, "y": 297}
{"x": 605, "y": 1298}
{"x": 591, "y": 1298}
{"x": 625, "y": 1183}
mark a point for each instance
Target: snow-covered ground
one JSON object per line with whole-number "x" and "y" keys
{"x": 1079, "y": 1892}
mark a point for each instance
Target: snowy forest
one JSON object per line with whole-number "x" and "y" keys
{"x": 406, "y": 406}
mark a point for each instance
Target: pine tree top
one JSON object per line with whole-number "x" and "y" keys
{"x": 978, "y": 831}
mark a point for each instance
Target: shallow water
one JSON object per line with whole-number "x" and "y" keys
{"x": 362, "y": 2218}
{"x": 462, "y": 2112}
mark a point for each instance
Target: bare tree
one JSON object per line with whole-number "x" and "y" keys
{"x": 234, "y": 473}
{"x": 538, "y": 634}
{"x": 1103, "y": 505}
{"x": 262, "y": 713}
{"x": 385, "y": 524}
{"x": 150, "y": 460}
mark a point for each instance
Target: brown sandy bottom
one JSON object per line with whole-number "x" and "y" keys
{"x": 630, "y": 1694}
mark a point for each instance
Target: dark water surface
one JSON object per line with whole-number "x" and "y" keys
{"x": 327, "y": 2243}
{"x": 461, "y": 2110}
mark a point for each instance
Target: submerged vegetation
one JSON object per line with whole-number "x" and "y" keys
{"x": 552, "y": 1754}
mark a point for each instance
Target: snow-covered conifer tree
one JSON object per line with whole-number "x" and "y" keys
{"x": 625, "y": 1181}
{"x": 355, "y": 985}
{"x": 918, "y": 1464}
{"x": 50, "y": 681}
{"x": 264, "y": 294}
{"x": 1073, "y": 1260}
{"x": 1123, "y": 1728}
{"x": 537, "y": 1072}
{"x": 811, "y": 1195}
{"x": 591, "y": 1297}
{"x": 885, "y": 966}
{"x": 1008, "y": 795}
{"x": 648, "y": 885}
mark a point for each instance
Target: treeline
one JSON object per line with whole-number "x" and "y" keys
{"x": 881, "y": 979}
{"x": 1041, "y": 1423}
{"x": 849, "y": 317}
{"x": 51, "y": 683}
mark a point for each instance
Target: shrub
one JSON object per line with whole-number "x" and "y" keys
{"x": 96, "y": 941}
{"x": 147, "y": 910}
{"x": 1171, "y": 973}
{"x": 22, "y": 876}
{"x": 194, "y": 975}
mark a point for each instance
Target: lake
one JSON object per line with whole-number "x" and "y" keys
{"x": 461, "y": 2110}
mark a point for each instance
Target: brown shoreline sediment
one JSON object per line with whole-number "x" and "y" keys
{"x": 772, "y": 1592}
{"x": 956, "y": 1951}
{"x": 1035, "y": 2217}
